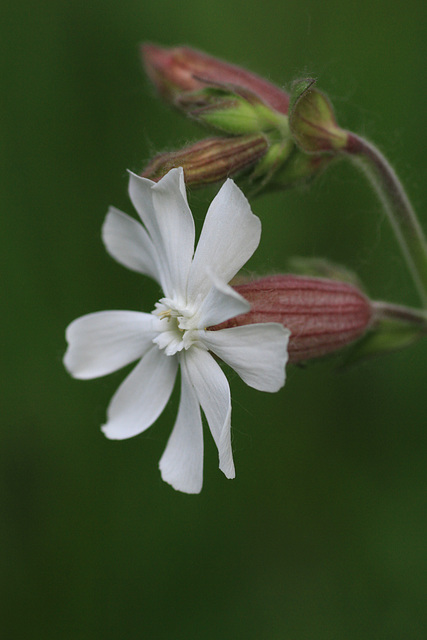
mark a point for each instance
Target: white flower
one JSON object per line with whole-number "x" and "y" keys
{"x": 196, "y": 296}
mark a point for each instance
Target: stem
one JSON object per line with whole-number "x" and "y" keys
{"x": 408, "y": 315}
{"x": 397, "y": 206}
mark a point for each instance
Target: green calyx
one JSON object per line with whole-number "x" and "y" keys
{"x": 312, "y": 120}
{"x": 232, "y": 111}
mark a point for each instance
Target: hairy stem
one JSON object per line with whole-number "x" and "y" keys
{"x": 397, "y": 206}
{"x": 407, "y": 315}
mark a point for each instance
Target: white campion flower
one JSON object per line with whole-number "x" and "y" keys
{"x": 196, "y": 296}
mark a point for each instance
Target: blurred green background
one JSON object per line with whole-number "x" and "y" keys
{"x": 323, "y": 533}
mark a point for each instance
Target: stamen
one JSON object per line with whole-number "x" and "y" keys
{"x": 165, "y": 314}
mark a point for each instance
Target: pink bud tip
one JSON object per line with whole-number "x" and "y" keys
{"x": 181, "y": 69}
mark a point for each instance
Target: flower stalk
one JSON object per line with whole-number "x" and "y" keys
{"x": 395, "y": 312}
{"x": 396, "y": 204}
{"x": 315, "y": 130}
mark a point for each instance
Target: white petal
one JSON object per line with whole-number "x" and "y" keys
{"x": 257, "y": 352}
{"x": 230, "y": 235}
{"x": 142, "y": 396}
{"x": 213, "y": 393}
{"x": 176, "y": 225}
{"x": 164, "y": 210}
{"x": 140, "y": 193}
{"x": 102, "y": 342}
{"x": 181, "y": 464}
{"x": 221, "y": 304}
{"x": 127, "y": 241}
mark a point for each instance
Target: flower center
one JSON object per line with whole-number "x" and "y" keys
{"x": 177, "y": 326}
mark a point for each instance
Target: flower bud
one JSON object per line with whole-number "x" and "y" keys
{"x": 312, "y": 120}
{"x": 210, "y": 160}
{"x": 181, "y": 69}
{"x": 322, "y": 315}
{"x": 240, "y": 104}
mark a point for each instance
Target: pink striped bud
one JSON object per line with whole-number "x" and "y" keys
{"x": 322, "y": 315}
{"x": 181, "y": 69}
{"x": 210, "y": 160}
{"x": 240, "y": 104}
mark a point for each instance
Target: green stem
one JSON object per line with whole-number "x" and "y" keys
{"x": 397, "y": 312}
{"x": 396, "y": 204}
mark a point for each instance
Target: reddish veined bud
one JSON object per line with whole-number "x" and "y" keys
{"x": 210, "y": 160}
{"x": 238, "y": 103}
{"x": 322, "y": 315}
{"x": 181, "y": 69}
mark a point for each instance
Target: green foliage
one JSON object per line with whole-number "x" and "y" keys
{"x": 322, "y": 534}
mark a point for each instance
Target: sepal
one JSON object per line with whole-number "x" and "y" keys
{"x": 312, "y": 119}
{"x": 231, "y": 109}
